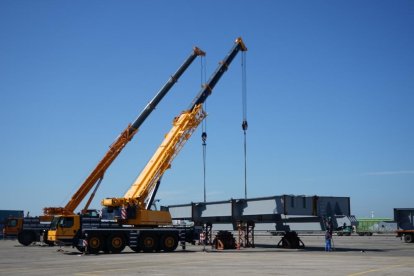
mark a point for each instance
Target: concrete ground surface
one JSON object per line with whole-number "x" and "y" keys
{"x": 376, "y": 255}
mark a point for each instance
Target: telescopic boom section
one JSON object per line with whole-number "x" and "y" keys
{"x": 183, "y": 126}
{"x": 123, "y": 139}
{"x": 208, "y": 88}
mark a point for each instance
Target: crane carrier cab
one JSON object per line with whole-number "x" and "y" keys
{"x": 63, "y": 226}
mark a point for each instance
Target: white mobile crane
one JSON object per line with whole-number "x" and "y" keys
{"x": 140, "y": 228}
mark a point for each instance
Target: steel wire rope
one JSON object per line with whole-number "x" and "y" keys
{"x": 244, "y": 123}
{"x": 204, "y": 127}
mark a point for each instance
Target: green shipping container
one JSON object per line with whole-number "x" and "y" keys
{"x": 369, "y": 225}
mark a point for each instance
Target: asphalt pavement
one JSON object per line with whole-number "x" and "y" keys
{"x": 354, "y": 255}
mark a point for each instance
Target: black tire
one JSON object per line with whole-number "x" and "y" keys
{"x": 115, "y": 243}
{"x": 169, "y": 242}
{"x": 25, "y": 238}
{"x": 148, "y": 242}
{"x": 95, "y": 244}
{"x": 408, "y": 238}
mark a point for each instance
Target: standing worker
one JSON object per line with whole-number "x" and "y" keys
{"x": 328, "y": 235}
{"x": 328, "y": 239}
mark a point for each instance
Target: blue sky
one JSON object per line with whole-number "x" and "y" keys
{"x": 330, "y": 98}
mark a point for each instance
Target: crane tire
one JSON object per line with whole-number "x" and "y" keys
{"x": 95, "y": 244}
{"x": 115, "y": 243}
{"x": 148, "y": 242}
{"x": 169, "y": 242}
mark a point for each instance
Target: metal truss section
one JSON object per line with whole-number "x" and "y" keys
{"x": 283, "y": 211}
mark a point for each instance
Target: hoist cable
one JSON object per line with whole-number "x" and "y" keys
{"x": 204, "y": 128}
{"x": 204, "y": 137}
{"x": 244, "y": 124}
{"x": 244, "y": 87}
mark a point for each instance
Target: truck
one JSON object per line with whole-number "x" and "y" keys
{"x": 137, "y": 226}
{"x": 345, "y": 226}
{"x": 405, "y": 223}
{"x": 5, "y": 216}
{"x": 30, "y": 229}
{"x": 27, "y": 229}
{"x": 369, "y": 226}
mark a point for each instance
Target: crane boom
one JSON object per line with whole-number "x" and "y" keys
{"x": 183, "y": 126}
{"x": 208, "y": 88}
{"x": 123, "y": 139}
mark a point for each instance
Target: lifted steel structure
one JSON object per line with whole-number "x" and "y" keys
{"x": 283, "y": 213}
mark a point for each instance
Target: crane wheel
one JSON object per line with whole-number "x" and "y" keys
{"x": 148, "y": 242}
{"x": 25, "y": 238}
{"x": 169, "y": 242}
{"x": 94, "y": 244}
{"x": 115, "y": 243}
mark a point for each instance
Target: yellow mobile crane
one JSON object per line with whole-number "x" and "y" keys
{"x": 139, "y": 227}
{"x": 29, "y": 229}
